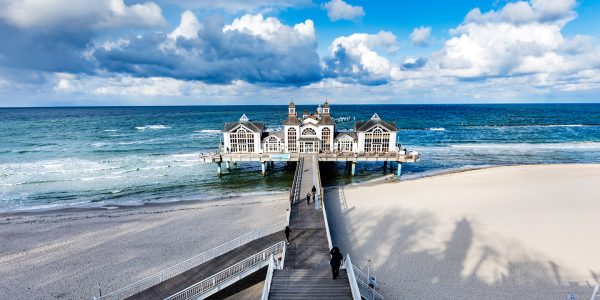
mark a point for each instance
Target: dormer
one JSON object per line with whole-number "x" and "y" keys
{"x": 305, "y": 114}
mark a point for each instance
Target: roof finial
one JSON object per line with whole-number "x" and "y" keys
{"x": 375, "y": 117}
{"x": 244, "y": 118}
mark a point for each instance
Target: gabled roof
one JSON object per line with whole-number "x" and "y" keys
{"x": 350, "y": 134}
{"x": 278, "y": 134}
{"x": 253, "y": 126}
{"x": 374, "y": 121}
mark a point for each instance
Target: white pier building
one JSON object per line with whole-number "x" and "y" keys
{"x": 311, "y": 134}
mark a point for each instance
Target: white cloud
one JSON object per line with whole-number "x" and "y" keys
{"x": 420, "y": 36}
{"x": 233, "y": 6}
{"x": 80, "y": 14}
{"x": 188, "y": 27}
{"x": 355, "y": 58}
{"x": 272, "y": 30}
{"x": 340, "y": 10}
{"x": 520, "y": 38}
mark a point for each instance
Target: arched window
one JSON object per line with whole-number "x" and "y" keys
{"x": 377, "y": 140}
{"x": 241, "y": 140}
{"x": 272, "y": 144}
{"x": 309, "y": 131}
{"x": 292, "y": 140}
{"x": 326, "y": 139}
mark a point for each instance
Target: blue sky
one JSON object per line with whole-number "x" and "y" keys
{"x": 170, "y": 52}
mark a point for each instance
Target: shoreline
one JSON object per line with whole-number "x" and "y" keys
{"x": 115, "y": 248}
{"x": 385, "y": 179}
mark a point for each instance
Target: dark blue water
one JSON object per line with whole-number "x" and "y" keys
{"x": 55, "y": 157}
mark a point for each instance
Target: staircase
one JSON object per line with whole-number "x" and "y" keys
{"x": 298, "y": 284}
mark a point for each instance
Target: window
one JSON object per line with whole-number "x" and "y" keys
{"x": 326, "y": 138}
{"x": 292, "y": 144}
{"x": 309, "y": 131}
{"x": 345, "y": 144}
{"x": 377, "y": 140}
{"x": 272, "y": 144}
{"x": 241, "y": 140}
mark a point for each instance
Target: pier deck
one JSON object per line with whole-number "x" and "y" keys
{"x": 347, "y": 157}
{"x": 306, "y": 273}
{"x": 207, "y": 269}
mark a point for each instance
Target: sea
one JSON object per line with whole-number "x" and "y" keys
{"x": 53, "y": 158}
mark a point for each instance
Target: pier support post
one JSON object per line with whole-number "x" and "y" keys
{"x": 399, "y": 171}
{"x": 385, "y": 165}
{"x": 353, "y": 168}
{"x": 227, "y": 165}
{"x": 219, "y": 169}
{"x": 262, "y": 168}
{"x": 235, "y": 163}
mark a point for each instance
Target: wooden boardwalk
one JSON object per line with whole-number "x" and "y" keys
{"x": 209, "y": 268}
{"x": 307, "y": 273}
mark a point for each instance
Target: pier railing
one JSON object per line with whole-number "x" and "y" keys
{"x": 360, "y": 281}
{"x": 596, "y": 293}
{"x": 295, "y": 190}
{"x": 244, "y": 267}
{"x": 190, "y": 263}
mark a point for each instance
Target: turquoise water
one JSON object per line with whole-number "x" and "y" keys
{"x": 59, "y": 157}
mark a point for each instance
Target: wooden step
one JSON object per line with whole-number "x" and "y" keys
{"x": 309, "y": 284}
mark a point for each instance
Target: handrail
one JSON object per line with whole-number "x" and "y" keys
{"x": 192, "y": 262}
{"x": 327, "y": 228}
{"x": 358, "y": 277}
{"x": 596, "y": 292}
{"x": 268, "y": 279}
{"x": 215, "y": 280}
{"x": 356, "y": 295}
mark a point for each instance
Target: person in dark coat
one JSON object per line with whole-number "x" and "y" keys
{"x": 314, "y": 190}
{"x": 336, "y": 261}
{"x": 307, "y": 198}
{"x": 287, "y": 233}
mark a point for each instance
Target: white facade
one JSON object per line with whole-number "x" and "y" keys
{"x": 314, "y": 133}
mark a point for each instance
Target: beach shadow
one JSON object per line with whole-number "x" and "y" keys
{"x": 409, "y": 267}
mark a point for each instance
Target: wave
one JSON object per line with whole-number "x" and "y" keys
{"x": 514, "y": 146}
{"x": 153, "y": 127}
{"x": 533, "y": 126}
{"x": 208, "y": 131}
{"x": 110, "y": 130}
{"x": 436, "y": 129}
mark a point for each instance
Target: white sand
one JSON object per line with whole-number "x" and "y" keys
{"x": 519, "y": 232}
{"x": 66, "y": 255}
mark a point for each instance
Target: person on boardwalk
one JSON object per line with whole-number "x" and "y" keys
{"x": 314, "y": 190}
{"x": 307, "y": 198}
{"x": 336, "y": 261}
{"x": 287, "y": 233}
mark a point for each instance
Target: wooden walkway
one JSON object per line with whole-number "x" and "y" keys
{"x": 307, "y": 273}
{"x": 209, "y": 268}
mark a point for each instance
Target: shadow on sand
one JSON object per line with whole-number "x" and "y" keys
{"x": 407, "y": 270}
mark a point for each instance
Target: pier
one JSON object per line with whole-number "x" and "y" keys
{"x": 224, "y": 160}
{"x": 299, "y": 269}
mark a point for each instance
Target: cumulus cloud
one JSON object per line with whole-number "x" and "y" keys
{"x": 354, "y": 58}
{"x": 252, "y": 48}
{"x": 248, "y": 6}
{"x": 340, "y": 10}
{"x": 420, "y": 36}
{"x": 57, "y": 35}
{"x": 520, "y": 38}
{"x": 80, "y": 14}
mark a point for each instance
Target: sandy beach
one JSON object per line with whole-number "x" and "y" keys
{"x": 516, "y": 232}
{"x": 67, "y": 254}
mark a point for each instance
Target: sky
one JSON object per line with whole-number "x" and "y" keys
{"x": 207, "y": 52}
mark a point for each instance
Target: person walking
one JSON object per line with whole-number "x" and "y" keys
{"x": 307, "y": 198}
{"x": 314, "y": 190}
{"x": 336, "y": 261}
{"x": 287, "y": 233}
